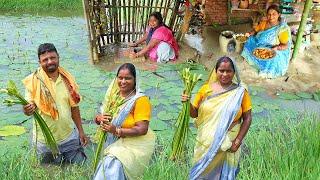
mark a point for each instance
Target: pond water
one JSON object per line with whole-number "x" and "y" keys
{"x": 21, "y": 35}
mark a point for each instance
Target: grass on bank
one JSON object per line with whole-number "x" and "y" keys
{"x": 40, "y": 5}
{"x": 275, "y": 148}
{"x": 287, "y": 148}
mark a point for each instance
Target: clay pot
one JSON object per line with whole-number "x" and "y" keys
{"x": 244, "y": 4}
{"x": 235, "y": 4}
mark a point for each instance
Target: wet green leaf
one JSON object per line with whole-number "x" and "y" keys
{"x": 12, "y": 130}
{"x": 256, "y": 88}
{"x": 316, "y": 97}
{"x": 304, "y": 95}
{"x": 257, "y": 109}
{"x": 165, "y": 116}
{"x": 253, "y": 93}
{"x": 288, "y": 96}
{"x": 158, "y": 125}
{"x": 155, "y": 102}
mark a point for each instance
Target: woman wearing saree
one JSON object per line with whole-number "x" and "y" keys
{"x": 274, "y": 34}
{"x": 222, "y": 109}
{"x": 161, "y": 45}
{"x": 130, "y": 142}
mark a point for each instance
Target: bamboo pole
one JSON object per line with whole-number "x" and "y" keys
{"x": 134, "y": 15}
{"x": 116, "y": 27}
{"x": 174, "y": 14}
{"x": 123, "y": 32}
{"x": 186, "y": 21}
{"x": 137, "y": 17}
{"x": 165, "y": 11}
{"x": 125, "y": 20}
{"x": 161, "y": 4}
{"x": 129, "y": 19}
{"x": 303, "y": 22}
{"x": 102, "y": 15}
{"x": 142, "y": 27}
{"x": 175, "y": 22}
{"x": 91, "y": 37}
{"x": 111, "y": 21}
{"x": 106, "y": 26}
{"x": 149, "y": 11}
{"x": 145, "y": 7}
{"x": 119, "y": 19}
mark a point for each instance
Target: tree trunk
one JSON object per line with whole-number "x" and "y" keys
{"x": 303, "y": 22}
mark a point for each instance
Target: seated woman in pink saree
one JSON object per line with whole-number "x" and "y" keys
{"x": 160, "y": 43}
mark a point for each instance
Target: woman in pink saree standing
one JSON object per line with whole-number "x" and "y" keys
{"x": 160, "y": 43}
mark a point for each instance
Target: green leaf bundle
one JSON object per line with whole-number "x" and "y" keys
{"x": 13, "y": 92}
{"x": 112, "y": 106}
{"x": 182, "y": 125}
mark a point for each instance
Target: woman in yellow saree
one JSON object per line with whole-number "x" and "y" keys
{"x": 130, "y": 142}
{"x": 223, "y": 111}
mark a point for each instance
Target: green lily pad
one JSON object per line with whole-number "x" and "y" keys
{"x": 304, "y": 95}
{"x": 155, "y": 102}
{"x": 165, "y": 116}
{"x": 288, "y": 96}
{"x": 167, "y": 102}
{"x": 257, "y": 109}
{"x": 12, "y": 130}
{"x": 158, "y": 125}
{"x": 253, "y": 93}
{"x": 256, "y": 88}
{"x": 90, "y": 129}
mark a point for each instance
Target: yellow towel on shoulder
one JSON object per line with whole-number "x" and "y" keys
{"x": 42, "y": 92}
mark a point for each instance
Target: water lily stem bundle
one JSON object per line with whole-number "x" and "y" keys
{"x": 112, "y": 107}
{"x": 182, "y": 124}
{"x": 13, "y": 92}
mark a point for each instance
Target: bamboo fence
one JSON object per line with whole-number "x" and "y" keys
{"x": 119, "y": 21}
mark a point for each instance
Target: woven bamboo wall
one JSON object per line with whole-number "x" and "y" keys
{"x": 116, "y": 21}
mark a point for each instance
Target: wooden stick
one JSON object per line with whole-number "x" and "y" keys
{"x": 119, "y": 19}
{"x": 161, "y": 3}
{"x": 141, "y": 19}
{"x": 177, "y": 25}
{"x": 121, "y": 32}
{"x": 92, "y": 44}
{"x": 110, "y": 21}
{"x": 125, "y": 18}
{"x": 129, "y": 15}
{"x": 102, "y": 14}
{"x": 134, "y": 14}
{"x": 146, "y": 7}
{"x": 116, "y": 27}
{"x": 165, "y": 11}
